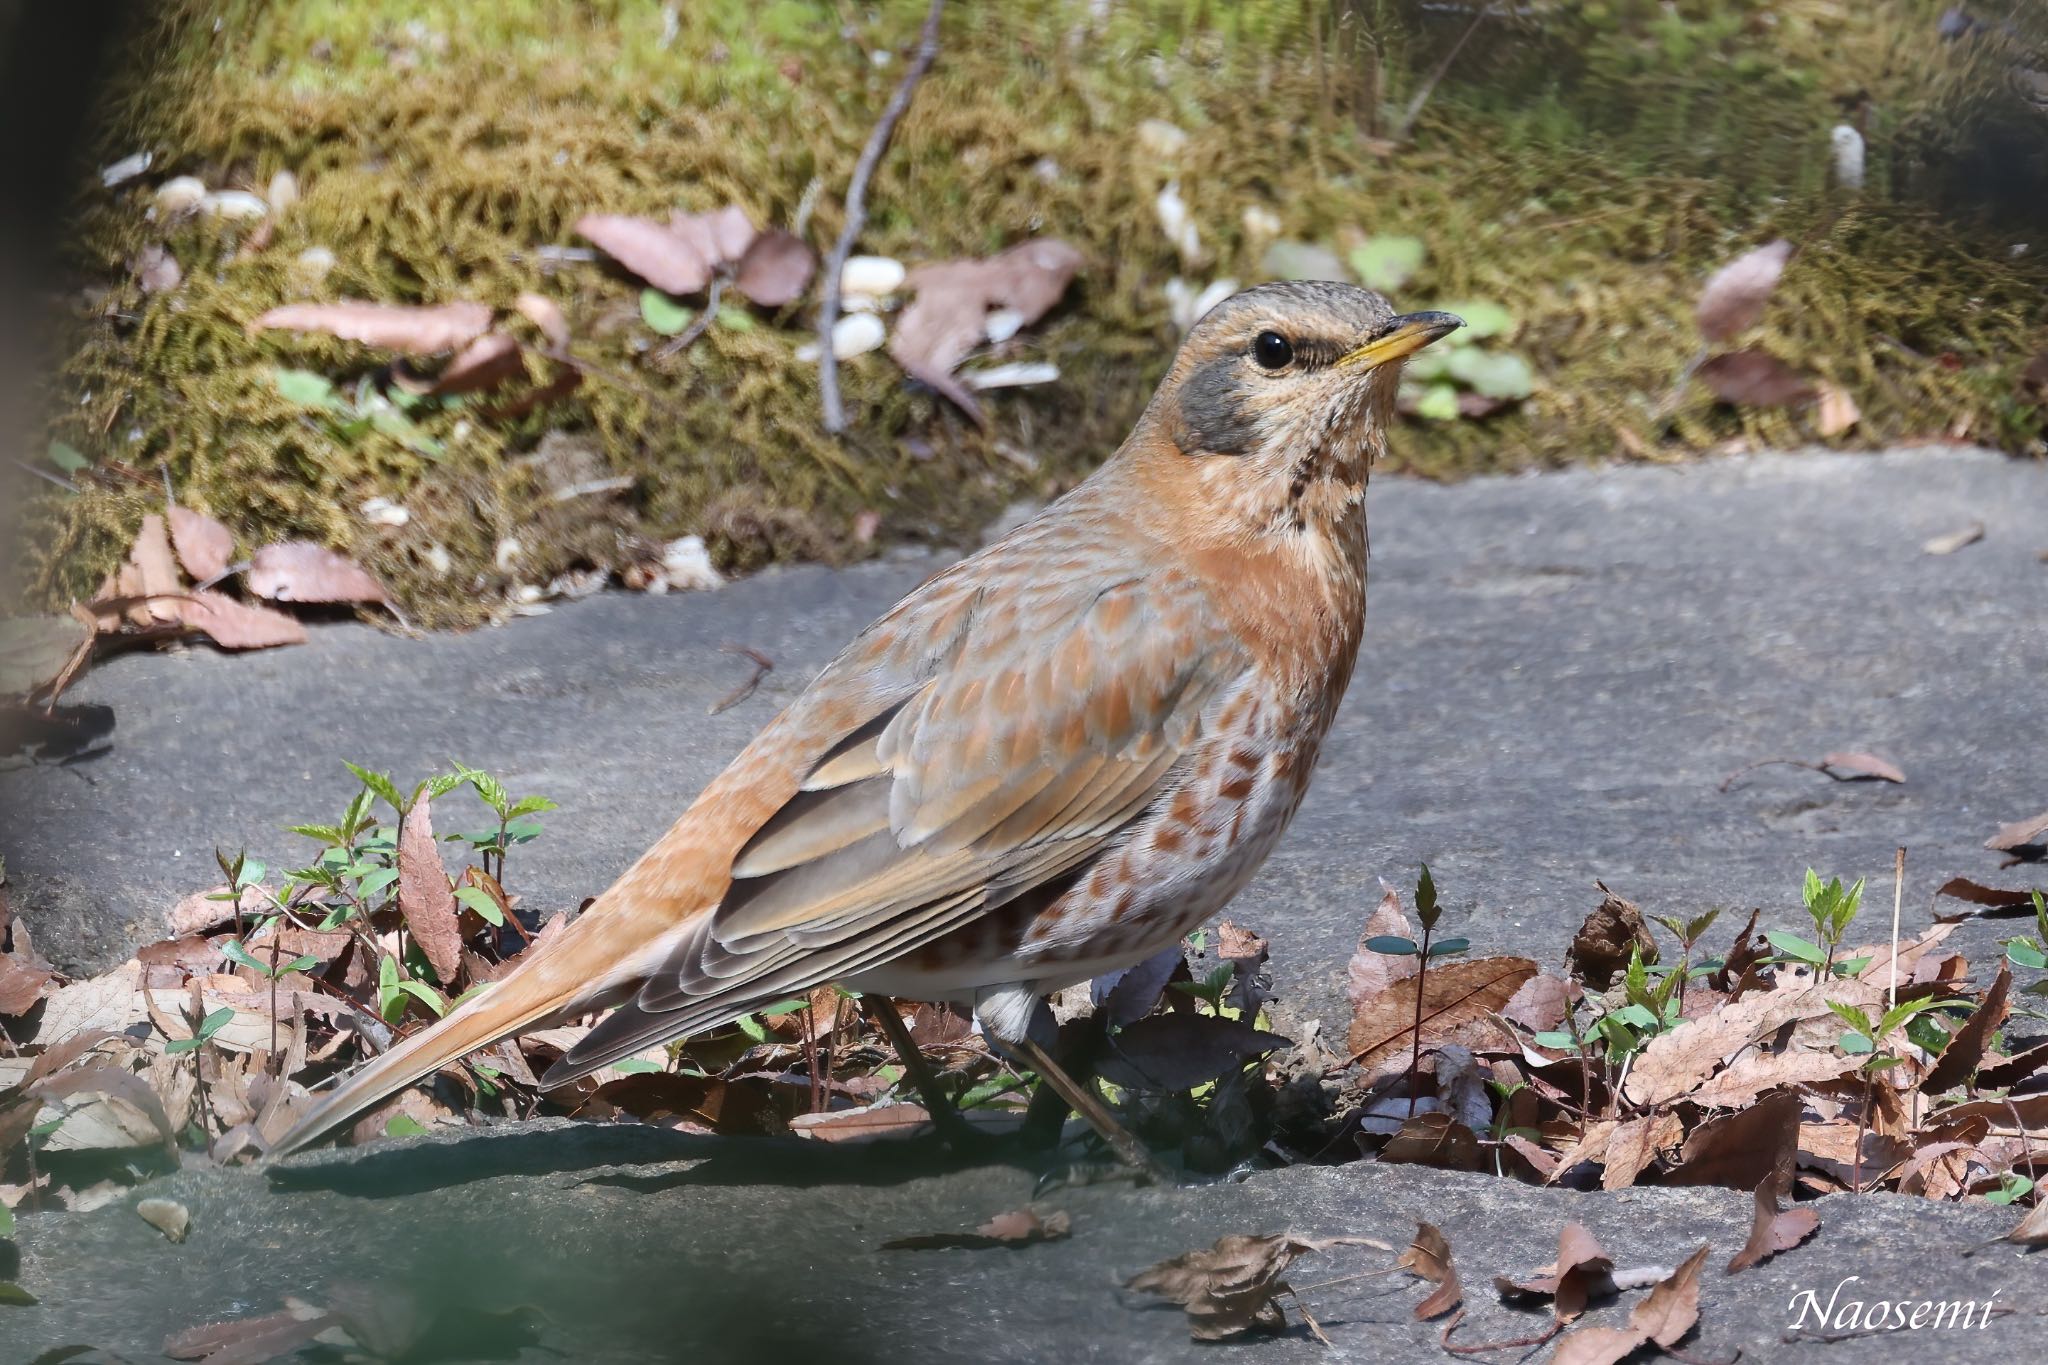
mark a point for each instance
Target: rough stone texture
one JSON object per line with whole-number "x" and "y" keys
{"x": 644, "y": 1246}
{"x": 1559, "y": 671}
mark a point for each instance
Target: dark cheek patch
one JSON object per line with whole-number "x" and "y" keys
{"x": 1216, "y": 416}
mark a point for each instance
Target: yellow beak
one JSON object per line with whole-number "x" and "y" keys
{"x": 1409, "y": 333}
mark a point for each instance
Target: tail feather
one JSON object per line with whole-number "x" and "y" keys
{"x": 581, "y": 972}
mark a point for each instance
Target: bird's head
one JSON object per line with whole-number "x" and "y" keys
{"x": 1279, "y": 398}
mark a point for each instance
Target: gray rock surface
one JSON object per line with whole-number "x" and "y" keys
{"x": 1559, "y": 671}
{"x": 643, "y": 1246}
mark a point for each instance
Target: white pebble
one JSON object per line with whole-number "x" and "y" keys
{"x": 1162, "y": 139}
{"x": 284, "y": 191}
{"x": 857, "y": 334}
{"x": 167, "y": 1216}
{"x": 1001, "y": 324}
{"x": 871, "y": 276}
{"x": 310, "y": 267}
{"x": 1260, "y": 222}
{"x": 439, "y": 560}
{"x": 1848, "y": 145}
{"x": 509, "y": 550}
{"x": 385, "y": 512}
{"x": 126, "y": 169}
{"x": 180, "y": 194}
{"x": 236, "y": 204}
{"x": 1015, "y": 376}
{"x": 686, "y": 564}
{"x": 1179, "y": 227}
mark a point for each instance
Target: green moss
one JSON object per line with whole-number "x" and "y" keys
{"x": 1584, "y": 172}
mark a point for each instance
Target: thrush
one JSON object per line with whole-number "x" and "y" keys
{"x": 1047, "y": 762}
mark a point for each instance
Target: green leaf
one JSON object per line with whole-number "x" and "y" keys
{"x": 375, "y": 881}
{"x": 986, "y": 1091}
{"x": 326, "y": 834}
{"x": 2024, "y": 952}
{"x": 1852, "y": 966}
{"x": 402, "y": 429}
{"x": 6, "y": 1221}
{"x": 1636, "y": 1016}
{"x": 1438, "y": 403}
{"x": 1854, "y": 1017}
{"x": 1426, "y": 908}
{"x": 531, "y": 805}
{"x": 305, "y": 388}
{"x": 663, "y": 313}
{"x": 752, "y": 1027}
{"x": 1393, "y": 945}
{"x": 1883, "y": 1061}
{"x": 1855, "y": 1044}
{"x": 1482, "y": 319}
{"x": 1793, "y": 946}
{"x": 782, "y": 1007}
{"x": 181, "y": 1045}
{"x": 479, "y": 900}
{"x": 215, "y": 1022}
{"x": 13, "y": 1295}
{"x": 1449, "y": 946}
{"x": 1494, "y": 374}
{"x": 67, "y": 458}
{"x": 298, "y": 964}
{"x": 380, "y": 783}
{"x": 1926, "y": 1034}
{"x": 2015, "y": 1186}
{"x": 1387, "y": 263}
{"x": 735, "y": 319}
{"x": 235, "y": 952}
{"x": 1555, "y": 1039}
{"x": 635, "y": 1066}
{"x": 404, "y": 1125}
{"x": 425, "y": 994}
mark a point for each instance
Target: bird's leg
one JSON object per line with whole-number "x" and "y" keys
{"x": 1077, "y": 1050}
{"x": 1090, "y": 1107}
{"x": 953, "y": 1128}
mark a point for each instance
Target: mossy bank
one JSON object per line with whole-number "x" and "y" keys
{"x": 1582, "y": 167}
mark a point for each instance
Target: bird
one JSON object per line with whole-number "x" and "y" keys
{"x": 1047, "y": 762}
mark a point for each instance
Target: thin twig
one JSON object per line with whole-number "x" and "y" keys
{"x": 763, "y": 666}
{"x": 703, "y": 322}
{"x": 1407, "y": 123}
{"x": 857, "y": 215}
{"x": 63, "y": 483}
{"x": 1898, "y": 894}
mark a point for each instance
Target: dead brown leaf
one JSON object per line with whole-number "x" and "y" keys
{"x": 949, "y": 316}
{"x": 673, "y": 261}
{"x": 1246, "y": 954}
{"x": 1734, "y": 297}
{"x": 776, "y": 269}
{"x": 407, "y": 328}
{"x": 1958, "y": 1061}
{"x": 485, "y": 363}
{"x": 870, "y": 1121}
{"x": 424, "y": 896}
{"x": 721, "y": 236}
{"x": 1955, "y": 540}
{"x": 156, "y": 270}
{"x": 204, "y": 546}
{"x": 1740, "y": 1150}
{"x": 2033, "y": 1229}
{"x": 1017, "y": 1228}
{"x": 239, "y": 625}
{"x": 1755, "y": 1071}
{"x": 159, "y": 580}
{"x": 1541, "y": 1004}
{"x": 1634, "y": 1144}
{"x": 1754, "y": 378}
{"x": 1582, "y": 1271}
{"x": 21, "y": 985}
{"x": 1664, "y": 1316}
{"x": 1677, "y": 1061}
{"x": 1369, "y": 974}
{"x": 300, "y": 571}
{"x": 1456, "y": 997}
{"x": 1993, "y": 899}
{"x": 2004, "y": 1072}
{"x": 545, "y": 314}
{"x": 1774, "y": 1230}
{"x": 1435, "y": 1139}
{"x": 1428, "y": 1256}
{"x": 1837, "y": 411}
{"x": 1230, "y": 1288}
{"x": 1855, "y": 765}
{"x": 1604, "y": 943}
{"x": 248, "y": 1341}
{"x": 1166, "y": 1053}
{"x": 2030, "y": 833}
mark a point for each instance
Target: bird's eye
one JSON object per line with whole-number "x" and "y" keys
{"x": 1272, "y": 351}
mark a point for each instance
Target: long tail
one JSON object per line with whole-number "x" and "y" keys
{"x": 593, "y": 964}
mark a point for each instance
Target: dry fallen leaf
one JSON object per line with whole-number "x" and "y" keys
{"x": 1954, "y": 540}
{"x": 1774, "y": 1230}
{"x": 1734, "y": 296}
{"x": 1582, "y": 1270}
{"x": 1664, "y": 1316}
{"x": 2020, "y": 834}
{"x": 485, "y": 363}
{"x": 544, "y": 313}
{"x": 1370, "y": 973}
{"x": 410, "y": 329}
{"x": 1958, "y": 1061}
{"x": 869, "y": 1121}
{"x": 676, "y": 257}
{"x": 1428, "y": 1256}
{"x": 949, "y": 316}
{"x": 1457, "y": 999}
{"x": 159, "y": 582}
{"x": 1634, "y": 1144}
{"x": 35, "y": 649}
{"x": 424, "y": 895}
{"x": 1992, "y": 900}
{"x": 1017, "y": 1228}
{"x": 1837, "y": 411}
{"x": 1227, "y": 1289}
{"x": 721, "y": 236}
{"x": 1754, "y": 379}
{"x": 239, "y": 625}
{"x": 1608, "y": 938}
{"x": 776, "y": 269}
{"x": 204, "y": 546}
{"x": 2033, "y": 1229}
{"x": 1741, "y": 1149}
{"x": 1858, "y": 765}
{"x": 300, "y": 571}
{"x": 167, "y": 1216}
